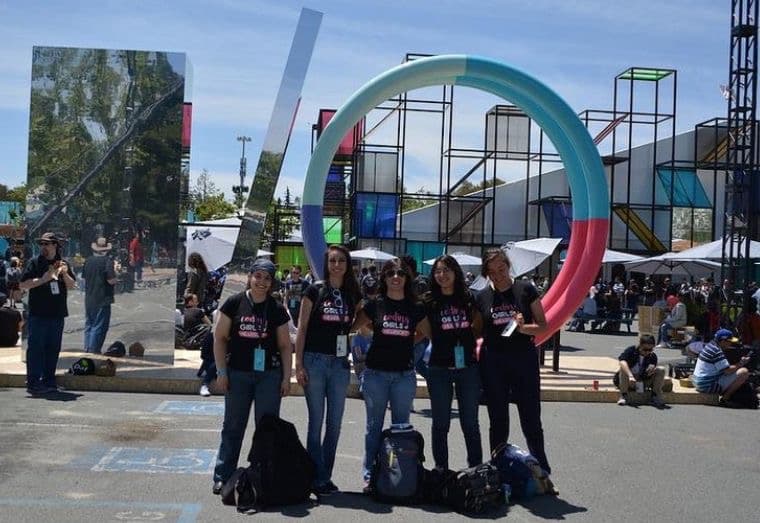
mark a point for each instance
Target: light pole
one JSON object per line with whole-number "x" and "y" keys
{"x": 241, "y": 189}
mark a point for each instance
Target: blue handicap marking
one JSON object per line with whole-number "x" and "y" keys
{"x": 105, "y": 510}
{"x": 157, "y": 460}
{"x": 200, "y": 408}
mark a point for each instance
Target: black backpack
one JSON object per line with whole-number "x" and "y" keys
{"x": 281, "y": 472}
{"x": 398, "y": 474}
{"x": 745, "y": 397}
{"x": 474, "y": 490}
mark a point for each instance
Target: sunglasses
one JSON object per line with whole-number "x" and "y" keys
{"x": 647, "y": 350}
{"x": 397, "y": 273}
{"x": 47, "y": 243}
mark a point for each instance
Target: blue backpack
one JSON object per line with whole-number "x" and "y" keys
{"x": 520, "y": 470}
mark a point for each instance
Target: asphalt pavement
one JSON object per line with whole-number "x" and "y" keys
{"x": 102, "y": 456}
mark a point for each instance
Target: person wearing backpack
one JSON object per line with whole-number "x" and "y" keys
{"x": 455, "y": 322}
{"x": 420, "y": 285}
{"x": 253, "y": 358}
{"x": 512, "y": 316}
{"x": 327, "y": 310}
{"x": 394, "y": 316}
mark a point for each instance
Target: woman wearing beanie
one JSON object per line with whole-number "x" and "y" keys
{"x": 253, "y": 358}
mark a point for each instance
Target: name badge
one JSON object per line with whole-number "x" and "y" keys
{"x": 54, "y": 289}
{"x": 459, "y": 356}
{"x": 259, "y": 358}
{"x": 293, "y": 303}
{"x": 341, "y": 346}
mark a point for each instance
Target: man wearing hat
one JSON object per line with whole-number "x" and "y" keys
{"x": 99, "y": 277}
{"x": 675, "y": 319}
{"x": 713, "y": 373}
{"x": 47, "y": 278}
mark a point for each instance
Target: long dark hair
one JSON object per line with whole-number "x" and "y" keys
{"x": 195, "y": 261}
{"x": 460, "y": 289}
{"x": 350, "y": 286}
{"x": 392, "y": 265}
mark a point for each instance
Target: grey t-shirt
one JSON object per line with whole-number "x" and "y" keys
{"x": 98, "y": 292}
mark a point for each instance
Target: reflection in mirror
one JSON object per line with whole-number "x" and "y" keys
{"x": 273, "y": 149}
{"x": 105, "y": 165}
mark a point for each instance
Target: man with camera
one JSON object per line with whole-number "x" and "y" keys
{"x": 638, "y": 369}
{"x": 47, "y": 278}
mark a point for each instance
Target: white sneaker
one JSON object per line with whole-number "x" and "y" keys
{"x": 204, "y": 391}
{"x": 623, "y": 400}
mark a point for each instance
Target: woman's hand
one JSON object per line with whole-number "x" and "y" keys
{"x": 222, "y": 384}
{"x": 302, "y": 377}
{"x": 285, "y": 387}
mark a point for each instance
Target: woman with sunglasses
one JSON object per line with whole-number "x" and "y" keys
{"x": 394, "y": 316}
{"x": 455, "y": 322}
{"x": 327, "y": 311}
{"x": 253, "y": 357}
{"x": 512, "y": 316}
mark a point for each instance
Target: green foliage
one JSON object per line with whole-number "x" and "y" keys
{"x": 214, "y": 207}
{"x": 467, "y": 187}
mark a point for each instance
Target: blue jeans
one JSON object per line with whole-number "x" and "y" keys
{"x": 260, "y": 388}
{"x": 328, "y": 381}
{"x": 43, "y": 348}
{"x": 380, "y": 387}
{"x": 96, "y": 323}
{"x": 441, "y": 383}
{"x": 662, "y": 334}
{"x": 419, "y": 359}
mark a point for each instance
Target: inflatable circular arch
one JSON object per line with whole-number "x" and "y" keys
{"x": 583, "y": 166}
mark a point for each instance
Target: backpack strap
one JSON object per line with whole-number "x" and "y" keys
{"x": 322, "y": 287}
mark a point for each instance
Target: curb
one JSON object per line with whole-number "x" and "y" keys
{"x": 191, "y": 386}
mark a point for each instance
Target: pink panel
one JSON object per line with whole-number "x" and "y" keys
{"x": 348, "y": 144}
{"x": 187, "y": 123}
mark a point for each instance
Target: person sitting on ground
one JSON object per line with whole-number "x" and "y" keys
{"x": 10, "y": 323}
{"x": 675, "y": 319}
{"x": 713, "y": 373}
{"x": 193, "y": 314}
{"x": 638, "y": 364}
{"x": 586, "y": 311}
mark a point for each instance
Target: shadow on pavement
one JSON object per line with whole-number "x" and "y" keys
{"x": 357, "y": 500}
{"x": 58, "y": 396}
{"x": 551, "y": 507}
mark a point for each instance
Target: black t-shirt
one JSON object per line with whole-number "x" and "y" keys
{"x": 9, "y": 320}
{"x": 42, "y": 301}
{"x": 451, "y": 323}
{"x": 498, "y": 307}
{"x": 191, "y": 317}
{"x": 332, "y": 314}
{"x": 253, "y": 325}
{"x": 98, "y": 292}
{"x": 393, "y": 323}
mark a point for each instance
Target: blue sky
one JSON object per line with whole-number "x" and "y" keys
{"x": 238, "y": 50}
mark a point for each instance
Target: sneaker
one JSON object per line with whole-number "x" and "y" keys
{"x": 204, "y": 391}
{"x": 662, "y": 346}
{"x": 332, "y": 486}
{"x": 217, "y": 488}
{"x": 727, "y": 403}
{"x": 623, "y": 400}
{"x": 37, "y": 390}
{"x": 324, "y": 489}
{"x": 50, "y": 389}
{"x": 549, "y": 487}
{"x": 657, "y": 401}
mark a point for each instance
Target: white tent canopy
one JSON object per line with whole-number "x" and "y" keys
{"x": 529, "y": 254}
{"x": 714, "y": 250}
{"x": 668, "y": 263}
{"x": 463, "y": 259}
{"x": 215, "y": 241}
{"x": 611, "y": 256}
{"x": 372, "y": 253}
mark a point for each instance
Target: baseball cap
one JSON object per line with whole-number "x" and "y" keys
{"x": 725, "y": 334}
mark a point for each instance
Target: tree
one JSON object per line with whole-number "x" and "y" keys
{"x": 409, "y": 204}
{"x": 214, "y": 207}
{"x": 467, "y": 187}
{"x": 208, "y": 200}
{"x": 16, "y": 194}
